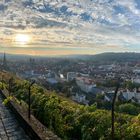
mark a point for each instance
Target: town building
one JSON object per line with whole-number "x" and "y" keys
{"x": 71, "y": 76}
{"x": 85, "y": 84}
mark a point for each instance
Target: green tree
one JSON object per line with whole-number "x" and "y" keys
{"x": 129, "y": 109}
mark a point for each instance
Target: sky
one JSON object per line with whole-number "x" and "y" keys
{"x": 64, "y": 27}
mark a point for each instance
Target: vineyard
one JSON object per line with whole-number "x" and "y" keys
{"x": 72, "y": 121}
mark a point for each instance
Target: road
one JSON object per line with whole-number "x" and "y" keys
{"x": 10, "y": 128}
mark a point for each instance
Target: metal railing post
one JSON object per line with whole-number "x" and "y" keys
{"x": 112, "y": 110}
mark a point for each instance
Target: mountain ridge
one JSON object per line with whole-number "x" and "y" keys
{"x": 110, "y": 56}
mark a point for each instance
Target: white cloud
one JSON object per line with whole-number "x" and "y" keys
{"x": 60, "y": 21}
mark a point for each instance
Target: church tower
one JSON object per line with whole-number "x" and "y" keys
{"x": 5, "y": 66}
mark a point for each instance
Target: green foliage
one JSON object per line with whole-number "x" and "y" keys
{"x": 72, "y": 121}
{"x": 129, "y": 108}
{"x": 7, "y": 100}
{"x": 109, "y": 83}
{"x": 130, "y": 85}
{"x": 2, "y": 85}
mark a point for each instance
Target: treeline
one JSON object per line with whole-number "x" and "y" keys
{"x": 71, "y": 121}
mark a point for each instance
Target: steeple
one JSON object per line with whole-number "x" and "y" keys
{"x": 4, "y": 58}
{"x": 5, "y": 67}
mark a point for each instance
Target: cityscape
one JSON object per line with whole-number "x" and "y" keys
{"x": 80, "y": 80}
{"x": 69, "y": 70}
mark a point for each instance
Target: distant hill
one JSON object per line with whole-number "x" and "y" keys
{"x": 108, "y": 57}
{"x": 17, "y": 56}
{"x": 98, "y": 57}
{"x": 116, "y": 57}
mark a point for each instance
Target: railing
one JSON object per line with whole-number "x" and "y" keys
{"x": 35, "y": 129}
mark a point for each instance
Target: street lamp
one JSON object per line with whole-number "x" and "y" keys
{"x": 113, "y": 106}
{"x": 29, "y": 98}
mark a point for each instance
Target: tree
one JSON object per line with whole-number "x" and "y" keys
{"x": 129, "y": 109}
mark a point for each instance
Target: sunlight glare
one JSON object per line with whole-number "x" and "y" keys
{"x": 22, "y": 39}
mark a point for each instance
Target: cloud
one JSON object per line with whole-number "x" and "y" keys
{"x": 72, "y": 23}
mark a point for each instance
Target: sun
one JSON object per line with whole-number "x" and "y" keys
{"x": 22, "y": 39}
